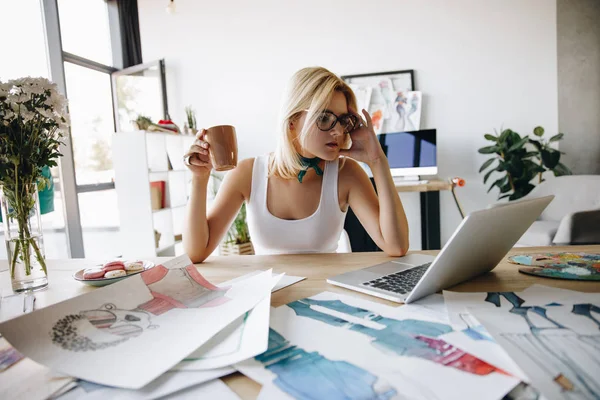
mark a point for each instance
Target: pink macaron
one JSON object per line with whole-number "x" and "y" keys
{"x": 93, "y": 273}
{"x": 113, "y": 266}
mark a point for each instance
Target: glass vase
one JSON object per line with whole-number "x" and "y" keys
{"x": 23, "y": 236}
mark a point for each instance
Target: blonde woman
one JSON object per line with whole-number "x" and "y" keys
{"x": 297, "y": 197}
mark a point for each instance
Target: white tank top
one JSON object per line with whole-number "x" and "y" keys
{"x": 317, "y": 233}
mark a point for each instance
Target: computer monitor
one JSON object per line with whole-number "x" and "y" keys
{"x": 411, "y": 153}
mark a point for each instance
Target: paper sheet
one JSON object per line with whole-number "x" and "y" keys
{"x": 472, "y": 337}
{"x": 285, "y": 281}
{"x": 104, "y": 335}
{"x": 168, "y": 383}
{"x": 30, "y": 380}
{"x": 331, "y": 346}
{"x": 215, "y": 389}
{"x": 556, "y": 343}
{"x": 244, "y": 338}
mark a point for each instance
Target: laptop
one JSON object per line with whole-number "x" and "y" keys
{"x": 479, "y": 243}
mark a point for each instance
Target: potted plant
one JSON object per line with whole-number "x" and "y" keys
{"x": 33, "y": 121}
{"x": 237, "y": 240}
{"x": 521, "y": 159}
{"x": 191, "y": 123}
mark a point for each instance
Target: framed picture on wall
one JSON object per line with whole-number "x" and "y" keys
{"x": 389, "y": 97}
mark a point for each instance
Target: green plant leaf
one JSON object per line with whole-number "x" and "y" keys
{"x": 505, "y": 188}
{"x": 499, "y": 182}
{"x": 491, "y": 137}
{"x": 504, "y": 196}
{"x": 561, "y": 170}
{"x": 505, "y": 134}
{"x": 538, "y": 131}
{"x": 518, "y": 144}
{"x": 489, "y": 150}
{"x": 486, "y": 164}
{"x": 486, "y": 177}
{"x": 556, "y": 138}
{"x": 531, "y": 154}
{"x": 536, "y": 143}
{"x": 550, "y": 158}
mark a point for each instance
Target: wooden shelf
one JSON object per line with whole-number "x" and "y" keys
{"x": 168, "y": 208}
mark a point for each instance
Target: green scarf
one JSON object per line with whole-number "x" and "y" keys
{"x": 308, "y": 163}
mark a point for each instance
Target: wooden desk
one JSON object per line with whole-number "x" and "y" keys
{"x": 316, "y": 268}
{"x": 430, "y": 209}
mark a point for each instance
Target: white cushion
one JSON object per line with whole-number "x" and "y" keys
{"x": 572, "y": 193}
{"x": 540, "y": 233}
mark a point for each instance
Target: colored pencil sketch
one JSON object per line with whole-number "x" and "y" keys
{"x": 108, "y": 325}
{"x": 551, "y": 343}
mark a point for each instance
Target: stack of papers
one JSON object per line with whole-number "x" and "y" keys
{"x": 148, "y": 336}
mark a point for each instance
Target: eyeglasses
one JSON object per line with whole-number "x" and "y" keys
{"x": 327, "y": 120}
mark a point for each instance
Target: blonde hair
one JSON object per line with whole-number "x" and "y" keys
{"x": 309, "y": 89}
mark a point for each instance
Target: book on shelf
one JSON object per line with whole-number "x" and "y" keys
{"x": 157, "y": 195}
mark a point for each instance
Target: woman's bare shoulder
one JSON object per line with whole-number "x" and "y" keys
{"x": 351, "y": 169}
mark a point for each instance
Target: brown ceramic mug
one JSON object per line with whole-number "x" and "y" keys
{"x": 223, "y": 147}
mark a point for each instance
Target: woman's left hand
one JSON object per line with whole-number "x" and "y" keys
{"x": 365, "y": 146}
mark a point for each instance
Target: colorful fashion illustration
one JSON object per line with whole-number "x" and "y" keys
{"x": 409, "y": 337}
{"x": 309, "y": 376}
{"x": 557, "y": 349}
{"x": 109, "y": 326}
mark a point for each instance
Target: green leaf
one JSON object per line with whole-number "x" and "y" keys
{"x": 505, "y": 188}
{"x": 557, "y": 137}
{"x": 538, "y": 131}
{"x": 489, "y": 150}
{"x": 504, "y": 196}
{"x": 486, "y": 164}
{"x": 531, "y": 154}
{"x": 561, "y": 170}
{"x": 491, "y": 137}
{"x": 536, "y": 143}
{"x": 498, "y": 183}
{"x": 505, "y": 134}
{"x": 550, "y": 158}
{"x": 518, "y": 144}
{"x": 486, "y": 177}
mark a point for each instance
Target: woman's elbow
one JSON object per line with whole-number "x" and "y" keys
{"x": 195, "y": 256}
{"x": 396, "y": 250}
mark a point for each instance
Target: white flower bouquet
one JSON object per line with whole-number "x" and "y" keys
{"x": 33, "y": 122}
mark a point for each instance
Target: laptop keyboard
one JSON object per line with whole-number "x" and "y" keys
{"x": 399, "y": 282}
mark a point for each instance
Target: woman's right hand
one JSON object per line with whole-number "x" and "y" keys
{"x": 197, "y": 159}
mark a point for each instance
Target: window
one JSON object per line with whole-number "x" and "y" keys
{"x": 84, "y": 29}
{"x": 92, "y": 123}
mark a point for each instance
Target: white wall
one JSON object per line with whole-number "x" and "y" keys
{"x": 481, "y": 64}
{"x": 578, "y": 50}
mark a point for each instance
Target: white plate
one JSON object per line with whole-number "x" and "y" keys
{"x": 78, "y": 276}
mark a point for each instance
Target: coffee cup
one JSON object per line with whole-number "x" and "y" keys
{"x": 223, "y": 147}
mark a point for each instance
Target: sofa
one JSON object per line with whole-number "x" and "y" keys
{"x": 573, "y": 217}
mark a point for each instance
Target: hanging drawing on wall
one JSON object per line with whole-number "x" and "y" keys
{"x": 390, "y": 98}
{"x": 406, "y": 115}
